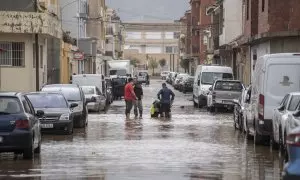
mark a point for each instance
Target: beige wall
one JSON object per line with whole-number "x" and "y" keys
{"x": 22, "y": 78}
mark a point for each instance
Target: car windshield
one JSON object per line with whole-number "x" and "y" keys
{"x": 88, "y": 90}
{"x": 210, "y": 77}
{"x": 118, "y": 72}
{"x": 70, "y": 93}
{"x": 48, "y": 101}
{"x": 143, "y": 74}
{"x": 119, "y": 81}
{"x": 228, "y": 86}
{"x": 10, "y": 105}
{"x": 294, "y": 103}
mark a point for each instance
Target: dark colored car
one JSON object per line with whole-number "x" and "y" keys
{"x": 291, "y": 169}
{"x": 20, "y": 130}
{"x": 186, "y": 85}
{"x": 118, "y": 85}
{"x": 58, "y": 115}
{"x": 74, "y": 94}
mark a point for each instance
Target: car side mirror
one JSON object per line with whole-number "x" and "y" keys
{"x": 281, "y": 108}
{"x": 297, "y": 114}
{"x": 73, "y": 105}
{"x": 210, "y": 89}
{"x": 198, "y": 82}
{"x": 235, "y": 101}
{"x": 40, "y": 113}
{"x": 93, "y": 99}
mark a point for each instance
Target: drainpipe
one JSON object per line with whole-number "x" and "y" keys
{"x": 37, "y": 59}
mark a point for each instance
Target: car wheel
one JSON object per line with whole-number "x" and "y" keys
{"x": 212, "y": 109}
{"x": 70, "y": 129}
{"x": 274, "y": 144}
{"x": 235, "y": 119}
{"x": 38, "y": 149}
{"x": 29, "y": 152}
{"x": 258, "y": 139}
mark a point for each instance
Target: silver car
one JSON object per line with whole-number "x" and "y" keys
{"x": 222, "y": 94}
{"x": 287, "y": 107}
{"x": 97, "y": 101}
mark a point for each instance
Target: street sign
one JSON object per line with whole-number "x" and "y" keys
{"x": 78, "y": 56}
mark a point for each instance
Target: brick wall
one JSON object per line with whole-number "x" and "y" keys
{"x": 251, "y": 17}
{"x": 195, "y": 15}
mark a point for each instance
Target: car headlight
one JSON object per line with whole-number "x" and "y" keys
{"x": 64, "y": 117}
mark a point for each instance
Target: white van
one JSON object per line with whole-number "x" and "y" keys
{"x": 205, "y": 76}
{"x": 97, "y": 80}
{"x": 275, "y": 75}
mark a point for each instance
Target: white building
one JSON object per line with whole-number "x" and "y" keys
{"x": 17, "y": 49}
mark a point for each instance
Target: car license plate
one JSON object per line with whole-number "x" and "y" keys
{"x": 1, "y": 139}
{"x": 47, "y": 126}
{"x": 227, "y": 102}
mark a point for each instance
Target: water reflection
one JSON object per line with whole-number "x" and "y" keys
{"x": 133, "y": 129}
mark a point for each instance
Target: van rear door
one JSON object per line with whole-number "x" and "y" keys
{"x": 280, "y": 80}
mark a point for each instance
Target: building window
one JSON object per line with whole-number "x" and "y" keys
{"x": 263, "y": 5}
{"x": 12, "y": 53}
{"x": 169, "y": 49}
{"x": 248, "y": 9}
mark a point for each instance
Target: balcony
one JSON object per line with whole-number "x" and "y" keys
{"x": 30, "y": 22}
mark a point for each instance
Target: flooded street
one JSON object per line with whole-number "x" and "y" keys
{"x": 193, "y": 144}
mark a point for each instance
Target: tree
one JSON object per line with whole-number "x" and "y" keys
{"x": 153, "y": 64}
{"x": 162, "y": 62}
{"x": 134, "y": 61}
{"x": 184, "y": 63}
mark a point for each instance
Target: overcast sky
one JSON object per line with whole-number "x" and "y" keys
{"x": 131, "y": 10}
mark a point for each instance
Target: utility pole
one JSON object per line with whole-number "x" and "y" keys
{"x": 173, "y": 62}
{"x": 78, "y": 33}
{"x": 37, "y": 59}
{"x": 170, "y": 62}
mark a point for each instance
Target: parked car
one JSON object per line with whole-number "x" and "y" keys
{"x": 20, "y": 130}
{"x": 74, "y": 94}
{"x": 173, "y": 78}
{"x": 118, "y": 85}
{"x": 271, "y": 82}
{"x": 169, "y": 77}
{"x": 143, "y": 77}
{"x": 179, "y": 78}
{"x": 287, "y": 106}
{"x": 164, "y": 75}
{"x": 204, "y": 78}
{"x": 239, "y": 110}
{"x": 291, "y": 170}
{"x": 96, "y": 100}
{"x": 58, "y": 115}
{"x": 187, "y": 84}
{"x": 222, "y": 94}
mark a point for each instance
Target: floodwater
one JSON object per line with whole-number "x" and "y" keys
{"x": 193, "y": 144}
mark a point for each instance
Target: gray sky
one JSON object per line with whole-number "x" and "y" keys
{"x": 131, "y": 10}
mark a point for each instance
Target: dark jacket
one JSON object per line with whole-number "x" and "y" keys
{"x": 164, "y": 95}
{"x": 138, "y": 90}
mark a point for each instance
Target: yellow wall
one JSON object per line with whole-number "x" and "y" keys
{"x": 65, "y": 63}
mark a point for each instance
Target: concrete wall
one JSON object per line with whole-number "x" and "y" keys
{"x": 233, "y": 21}
{"x": 23, "y": 78}
{"x": 259, "y": 50}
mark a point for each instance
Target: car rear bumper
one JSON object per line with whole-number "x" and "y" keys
{"x": 92, "y": 106}
{"x": 202, "y": 100}
{"x": 57, "y": 126}
{"x": 264, "y": 127}
{"x": 291, "y": 171}
{"x": 16, "y": 140}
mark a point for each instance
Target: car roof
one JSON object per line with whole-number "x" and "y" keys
{"x": 44, "y": 92}
{"x": 11, "y": 94}
{"x": 61, "y": 85}
{"x": 295, "y": 93}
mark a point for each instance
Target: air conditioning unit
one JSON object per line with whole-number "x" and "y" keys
{"x": 205, "y": 40}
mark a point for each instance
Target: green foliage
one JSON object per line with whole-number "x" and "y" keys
{"x": 134, "y": 61}
{"x": 153, "y": 64}
{"x": 184, "y": 63}
{"x": 162, "y": 62}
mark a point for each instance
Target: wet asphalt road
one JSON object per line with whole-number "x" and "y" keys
{"x": 193, "y": 144}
